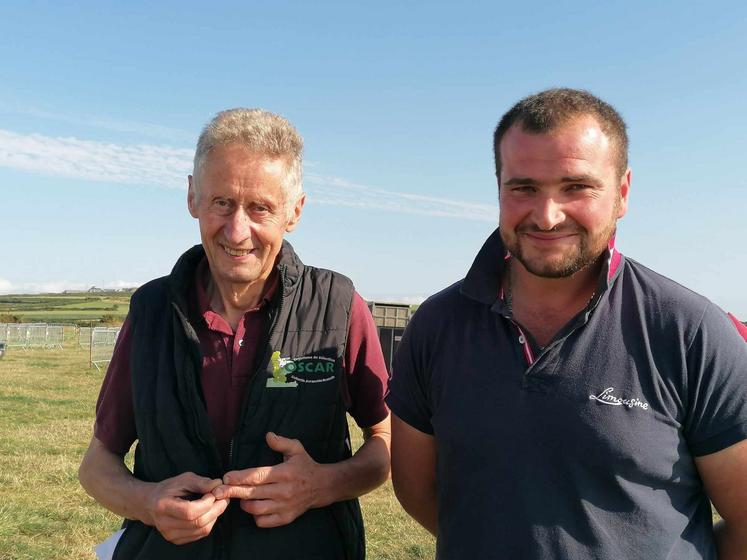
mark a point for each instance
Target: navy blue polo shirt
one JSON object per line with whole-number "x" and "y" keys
{"x": 583, "y": 449}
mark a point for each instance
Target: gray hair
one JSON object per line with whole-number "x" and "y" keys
{"x": 262, "y": 132}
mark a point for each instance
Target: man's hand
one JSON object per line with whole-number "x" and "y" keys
{"x": 167, "y": 505}
{"x": 183, "y": 508}
{"x": 278, "y": 494}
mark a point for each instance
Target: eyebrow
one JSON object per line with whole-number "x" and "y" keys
{"x": 519, "y": 181}
{"x": 580, "y": 179}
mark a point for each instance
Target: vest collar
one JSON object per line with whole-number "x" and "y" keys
{"x": 182, "y": 276}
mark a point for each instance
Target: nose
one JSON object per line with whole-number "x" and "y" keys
{"x": 548, "y": 213}
{"x": 238, "y": 227}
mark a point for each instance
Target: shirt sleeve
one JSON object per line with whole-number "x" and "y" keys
{"x": 717, "y": 385}
{"x": 409, "y": 390}
{"x": 366, "y": 373}
{"x": 115, "y": 418}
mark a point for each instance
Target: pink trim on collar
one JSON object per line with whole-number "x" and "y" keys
{"x": 614, "y": 259}
{"x": 741, "y": 327}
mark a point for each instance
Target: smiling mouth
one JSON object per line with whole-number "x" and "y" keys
{"x": 236, "y": 252}
{"x": 549, "y": 237}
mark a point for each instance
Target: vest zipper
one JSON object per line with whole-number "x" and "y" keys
{"x": 255, "y": 383}
{"x": 192, "y": 337}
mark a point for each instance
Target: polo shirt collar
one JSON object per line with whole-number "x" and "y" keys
{"x": 182, "y": 277}
{"x": 213, "y": 320}
{"x": 485, "y": 277}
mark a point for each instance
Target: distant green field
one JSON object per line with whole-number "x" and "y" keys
{"x": 80, "y": 309}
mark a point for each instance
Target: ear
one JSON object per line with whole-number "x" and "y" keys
{"x": 624, "y": 193}
{"x": 191, "y": 202}
{"x": 291, "y": 225}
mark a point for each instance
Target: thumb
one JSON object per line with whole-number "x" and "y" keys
{"x": 288, "y": 447}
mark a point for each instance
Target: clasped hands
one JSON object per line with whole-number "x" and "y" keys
{"x": 274, "y": 495}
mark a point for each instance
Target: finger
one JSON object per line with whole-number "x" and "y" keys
{"x": 184, "y": 536}
{"x": 179, "y": 508}
{"x": 250, "y": 477}
{"x": 288, "y": 447}
{"x": 244, "y": 492}
{"x": 187, "y": 530}
{"x": 210, "y": 516}
{"x": 260, "y": 507}
{"x": 192, "y": 482}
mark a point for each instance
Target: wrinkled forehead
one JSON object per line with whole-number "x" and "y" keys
{"x": 235, "y": 154}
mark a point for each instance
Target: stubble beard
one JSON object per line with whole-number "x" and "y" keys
{"x": 585, "y": 253}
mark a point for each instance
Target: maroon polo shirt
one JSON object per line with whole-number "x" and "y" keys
{"x": 228, "y": 365}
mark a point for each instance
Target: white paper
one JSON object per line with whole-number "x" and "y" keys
{"x": 105, "y": 550}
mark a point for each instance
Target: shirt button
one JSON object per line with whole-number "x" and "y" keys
{"x": 522, "y": 340}
{"x": 241, "y": 342}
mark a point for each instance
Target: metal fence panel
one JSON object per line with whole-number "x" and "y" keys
{"x": 55, "y": 336}
{"x": 32, "y": 335}
{"x": 17, "y": 335}
{"x": 36, "y": 335}
{"x": 103, "y": 340}
{"x": 84, "y": 336}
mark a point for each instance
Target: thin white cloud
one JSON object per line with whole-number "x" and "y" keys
{"x": 336, "y": 191}
{"x": 97, "y": 161}
{"x": 165, "y": 166}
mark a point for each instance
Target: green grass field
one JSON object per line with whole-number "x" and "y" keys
{"x": 81, "y": 309}
{"x": 47, "y": 400}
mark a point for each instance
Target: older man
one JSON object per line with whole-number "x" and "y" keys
{"x": 234, "y": 375}
{"x": 563, "y": 401}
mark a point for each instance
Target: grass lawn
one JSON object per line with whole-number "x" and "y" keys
{"x": 47, "y": 400}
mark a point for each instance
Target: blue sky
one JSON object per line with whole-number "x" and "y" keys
{"x": 101, "y": 103}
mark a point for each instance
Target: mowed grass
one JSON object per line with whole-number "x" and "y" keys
{"x": 47, "y": 400}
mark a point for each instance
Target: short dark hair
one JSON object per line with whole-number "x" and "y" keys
{"x": 549, "y": 109}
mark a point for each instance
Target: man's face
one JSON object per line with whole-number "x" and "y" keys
{"x": 560, "y": 196}
{"x": 240, "y": 204}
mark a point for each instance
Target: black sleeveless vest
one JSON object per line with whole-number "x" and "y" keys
{"x": 295, "y": 392}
